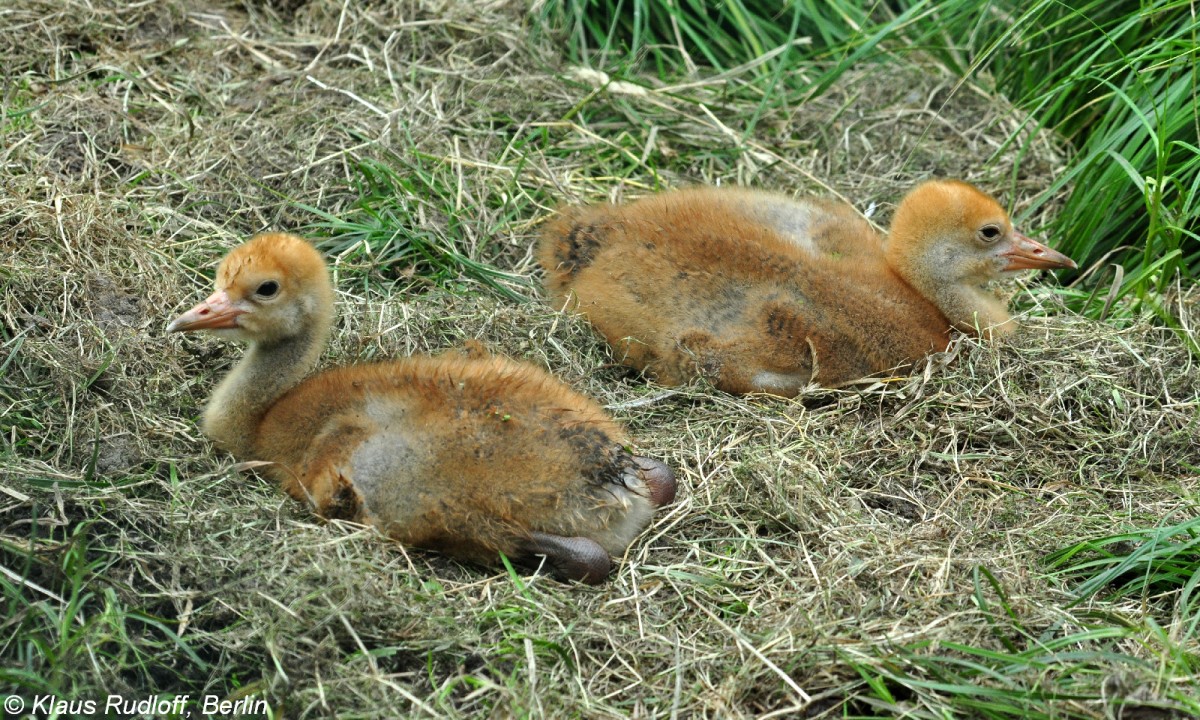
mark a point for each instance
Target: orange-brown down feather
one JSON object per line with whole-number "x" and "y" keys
{"x": 762, "y": 293}
{"x": 471, "y": 456}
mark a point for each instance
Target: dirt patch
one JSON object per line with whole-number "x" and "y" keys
{"x": 112, "y": 308}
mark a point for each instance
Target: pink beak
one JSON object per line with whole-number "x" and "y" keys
{"x": 1029, "y": 254}
{"x": 215, "y": 313}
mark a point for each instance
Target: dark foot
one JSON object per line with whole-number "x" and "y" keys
{"x": 659, "y": 479}
{"x": 572, "y": 558}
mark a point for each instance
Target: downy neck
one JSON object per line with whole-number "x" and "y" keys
{"x": 973, "y": 309}
{"x": 968, "y": 305}
{"x": 265, "y": 373}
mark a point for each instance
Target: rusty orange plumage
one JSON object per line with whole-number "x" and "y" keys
{"x": 471, "y": 456}
{"x": 763, "y": 293}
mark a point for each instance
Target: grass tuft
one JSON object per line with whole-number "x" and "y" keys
{"x": 1149, "y": 564}
{"x": 672, "y": 38}
{"x": 383, "y": 233}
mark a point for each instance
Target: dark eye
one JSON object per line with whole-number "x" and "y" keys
{"x": 989, "y": 233}
{"x": 267, "y": 289}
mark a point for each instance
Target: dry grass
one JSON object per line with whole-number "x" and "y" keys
{"x": 821, "y": 549}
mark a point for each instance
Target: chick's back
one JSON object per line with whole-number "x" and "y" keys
{"x": 427, "y": 446}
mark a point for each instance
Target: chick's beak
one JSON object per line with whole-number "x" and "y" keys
{"x": 1029, "y": 254}
{"x": 215, "y": 313}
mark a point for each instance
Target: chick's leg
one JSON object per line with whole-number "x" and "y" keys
{"x": 571, "y": 558}
{"x": 658, "y": 478}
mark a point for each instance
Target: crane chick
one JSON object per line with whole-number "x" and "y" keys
{"x": 469, "y": 456}
{"x": 759, "y": 292}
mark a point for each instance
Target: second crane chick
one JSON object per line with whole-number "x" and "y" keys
{"x": 762, "y": 293}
